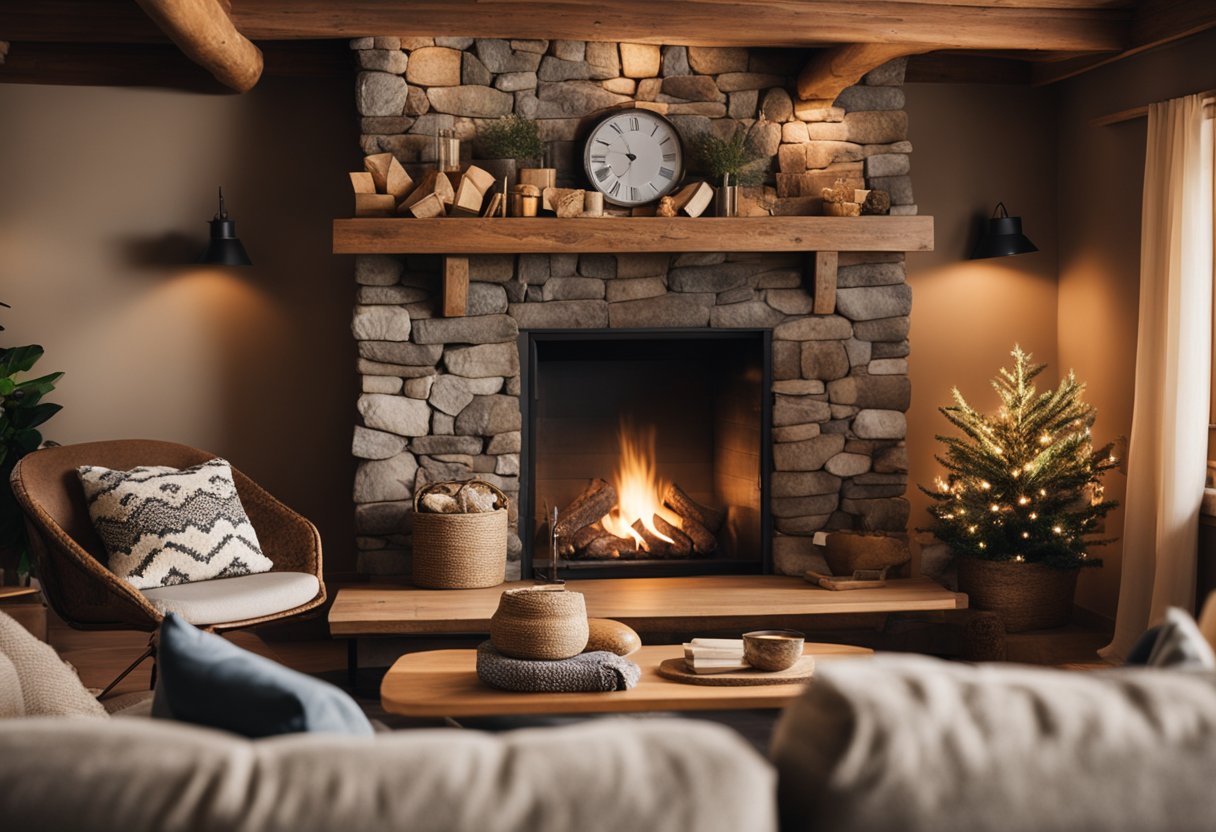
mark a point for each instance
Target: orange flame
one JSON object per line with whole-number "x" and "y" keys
{"x": 638, "y": 487}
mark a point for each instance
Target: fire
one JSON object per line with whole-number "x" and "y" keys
{"x": 638, "y": 487}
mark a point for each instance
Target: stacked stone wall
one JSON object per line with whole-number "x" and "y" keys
{"x": 440, "y": 395}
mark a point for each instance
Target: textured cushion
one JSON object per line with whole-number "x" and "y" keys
{"x": 209, "y": 681}
{"x": 614, "y": 775}
{"x": 895, "y": 744}
{"x": 12, "y": 703}
{"x": 235, "y": 599}
{"x": 48, "y": 686}
{"x": 1176, "y": 643}
{"x": 163, "y": 526}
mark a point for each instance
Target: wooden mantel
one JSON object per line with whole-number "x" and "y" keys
{"x": 819, "y": 237}
{"x": 631, "y": 234}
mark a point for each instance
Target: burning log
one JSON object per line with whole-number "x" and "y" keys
{"x": 682, "y": 545}
{"x": 703, "y": 540}
{"x": 609, "y": 546}
{"x": 656, "y": 547}
{"x": 685, "y": 506}
{"x": 573, "y": 544}
{"x": 596, "y": 501}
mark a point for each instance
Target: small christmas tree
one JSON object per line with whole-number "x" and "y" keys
{"x": 1024, "y": 484}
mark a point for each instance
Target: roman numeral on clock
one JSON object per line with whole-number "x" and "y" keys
{"x": 634, "y": 125}
{"x": 603, "y": 173}
{"x": 633, "y": 193}
{"x": 599, "y": 159}
{"x": 617, "y": 128}
{"x": 667, "y": 157}
{"x": 616, "y": 188}
{"x": 666, "y": 173}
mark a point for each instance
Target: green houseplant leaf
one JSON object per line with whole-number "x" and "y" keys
{"x": 22, "y": 412}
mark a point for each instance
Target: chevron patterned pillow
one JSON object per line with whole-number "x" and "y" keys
{"x": 163, "y": 526}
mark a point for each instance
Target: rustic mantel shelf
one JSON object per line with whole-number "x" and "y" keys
{"x": 611, "y": 235}
{"x": 457, "y": 238}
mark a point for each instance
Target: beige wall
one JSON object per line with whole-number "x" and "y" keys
{"x": 972, "y": 147}
{"x": 104, "y": 193}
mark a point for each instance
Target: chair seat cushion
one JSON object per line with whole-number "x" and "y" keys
{"x": 235, "y": 599}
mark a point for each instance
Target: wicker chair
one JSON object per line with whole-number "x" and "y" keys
{"x": 71, "y": 559}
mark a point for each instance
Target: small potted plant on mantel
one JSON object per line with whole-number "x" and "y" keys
{"x": 731, "y": 161}
{"x": 508, "y": 145}
{"x": 22, "y": 411}
{"x": 1022, "y": 497}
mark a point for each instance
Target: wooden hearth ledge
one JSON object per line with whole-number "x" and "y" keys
{"x": 820, "y": 238}
{"x": 663, "y": 604}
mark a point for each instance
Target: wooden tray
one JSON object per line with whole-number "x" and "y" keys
{"x": 677, "y": 671}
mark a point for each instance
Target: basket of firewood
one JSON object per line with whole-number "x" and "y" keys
{"x": 460, "y": 535}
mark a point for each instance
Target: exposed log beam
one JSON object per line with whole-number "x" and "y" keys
{"x": 1081, "y": 25}
{"x": 205, "y": 33}
{"x": 1156, "y": 23}
{"x": 830, "y": 71}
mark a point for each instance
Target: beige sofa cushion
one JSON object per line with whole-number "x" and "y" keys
{"x": 235, "y": 599}
{"x": 48, "y": 686}
{"x": 12, "y": 704}
{"x": 613, "y": 775}
{"x": 903, "y": 743}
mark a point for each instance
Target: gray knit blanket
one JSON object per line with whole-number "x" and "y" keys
{"x": 586, "y": 673}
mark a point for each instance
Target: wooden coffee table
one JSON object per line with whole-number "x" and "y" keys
{"x": 444, "y": 683}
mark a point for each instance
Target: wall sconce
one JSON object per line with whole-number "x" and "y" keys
{"x": 224, "y": 248}
{"x": 1002, "y": 236}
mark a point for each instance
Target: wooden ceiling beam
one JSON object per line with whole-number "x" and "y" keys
{"x": 1081, "y": 25}
{"x": 831, "y": 71}
{"x": 204, "y": 32}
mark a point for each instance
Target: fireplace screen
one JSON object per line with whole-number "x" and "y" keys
{"x": 645, "y": 452}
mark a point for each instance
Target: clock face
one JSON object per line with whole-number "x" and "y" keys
{"x": 634, "y": 157}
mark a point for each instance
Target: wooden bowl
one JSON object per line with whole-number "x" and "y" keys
{"x": 772, "y": 650}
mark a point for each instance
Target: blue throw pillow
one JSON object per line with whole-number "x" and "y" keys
{"x": 209, "y": 681}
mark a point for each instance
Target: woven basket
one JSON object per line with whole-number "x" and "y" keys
{"x": 460, "y": 551}
{"x": 1027, "y": 596}
{"x": 538, "y": 623}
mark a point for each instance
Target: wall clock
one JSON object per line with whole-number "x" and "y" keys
{"x": 634, "y": 157}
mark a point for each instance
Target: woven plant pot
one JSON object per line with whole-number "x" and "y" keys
{"x": 460, "y": 551}
{"x": 539, "y": 624}
{"x": 1027, "y": 596}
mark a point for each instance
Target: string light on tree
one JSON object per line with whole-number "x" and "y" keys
{"x": 1023, "y": 483}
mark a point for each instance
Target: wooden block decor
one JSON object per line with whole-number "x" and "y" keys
{"x": 540, "y": 177}
{"x": 427, "y": 207}
{"x": 471, "y": 193}
{"x": 361, "y": 182}
{"x": 374, "y": 205}
{"x": 433, "y": 183}
{"x": 455, "y": 286}
{"x": 693, "y": 199}
{"x": 825, "y": 282}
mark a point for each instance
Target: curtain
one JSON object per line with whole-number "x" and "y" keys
{"x": 1167, "y": 456}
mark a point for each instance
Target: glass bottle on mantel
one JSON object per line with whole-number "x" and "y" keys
{"x": 447, "y": 151}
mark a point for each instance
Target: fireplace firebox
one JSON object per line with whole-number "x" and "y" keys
{"x": 651, "y": 449}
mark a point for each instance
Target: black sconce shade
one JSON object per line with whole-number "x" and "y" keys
{"x": 224, "y": 248}
{"x": 1002, "y": 236}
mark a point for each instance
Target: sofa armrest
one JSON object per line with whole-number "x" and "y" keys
{"x": 911, "y": 743}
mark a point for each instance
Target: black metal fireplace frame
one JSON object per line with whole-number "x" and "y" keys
{"x": 528, "y": 341}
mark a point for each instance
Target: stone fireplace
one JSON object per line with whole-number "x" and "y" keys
{"x": 453, "y": 398}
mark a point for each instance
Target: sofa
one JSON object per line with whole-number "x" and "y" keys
{"x": 892, "y": 743}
